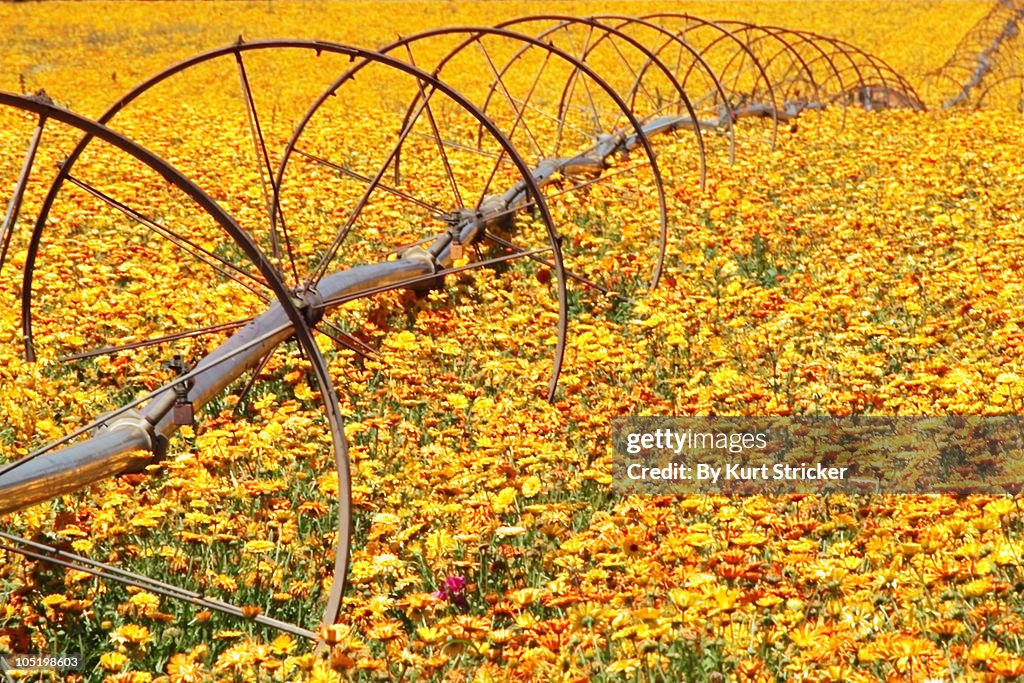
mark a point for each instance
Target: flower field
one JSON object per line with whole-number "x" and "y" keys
{"x": 865, "y": 265}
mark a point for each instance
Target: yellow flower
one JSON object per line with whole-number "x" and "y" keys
{"x": 429, "y": 635}
{"x": 54, "y": 600}
{"x": 387, "y": 631}
{"x": 504, "y": 499}
{"x": 531, "y": 486}
{"x": 1008, "y": 665}
{"x": 624, "y": 666}
{"x": 183, "y": 669}
{"x": 113, "y": 661}
{"x": 303, "y": 392}
{"x": 403, "y": 341}
{"x": 132, "y": 634}
{"x": 748, "y": 539}
{"x": 82, "y": 545}
{"x": 457, "y": 401}
{"x": 258, "y": 547}
{"x": 144, "y": 602}
{"x": 985, "y": 651}
{"x": 283, "y": 644}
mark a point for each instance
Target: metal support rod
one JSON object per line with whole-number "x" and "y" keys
{"x": 14, "y": 207}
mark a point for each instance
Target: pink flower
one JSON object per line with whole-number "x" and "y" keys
{"x": 453, "y": 589}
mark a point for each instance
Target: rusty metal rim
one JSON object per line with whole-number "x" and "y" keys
{"x": 994, "y": 84}
{"x": 807, "y": 62}
{"x": 840, "y": 51}
{"x": 303, "y": 333}
{"x": 478, "y": 32}
{"x": 764, "y": 33}
{"x": 370, "y": 57}
{"x": 725, "y": 34}
{"x": 848, "y": 50}
{"x": 126, "y": 99}
{"x": 652, "y": 59}
{"x": 822, "y": 54}
{"x": 607, "y": 31}
{"x": 655, "y": 56}
{"x": 698, "y": 60}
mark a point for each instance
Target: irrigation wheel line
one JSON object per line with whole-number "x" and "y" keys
{"x": 620, "y": 26}
{"x": 293, "y": 305}
{"x": 701, "y": 61}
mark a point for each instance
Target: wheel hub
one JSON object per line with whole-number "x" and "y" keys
{"x": 310, "y": 303}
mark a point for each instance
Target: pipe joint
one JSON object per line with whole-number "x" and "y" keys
{"x": 142, "y": 428}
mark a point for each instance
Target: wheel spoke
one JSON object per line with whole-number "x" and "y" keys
{"x": 14, "y": 206}
{"x": 437, "y": 134}
{"x": 533, "y": 257}
{"x": 515, "y": 124}
{"x": 103, "y": 419}
{"x": 273, "y": 199}
{"x": 188, "y": 246}
{"x": 107, "y": 350}
{"x": 671, "y": 105}
{"x": 577, "y": 186}
{"x": 541, "y": 112}
{"x": 633, "y": 72}
{"x": 251, "y": 382}
{"x": 598, "y": 128}
{"x": 679, "y": 57}
{"x": 366, "y": 179}
{"x": 61, "y": 558}
{"x": 343, "y": 338}
{"x": 508, "y": 95}
{"x": 321, "y": 267}
{"x": 570, "y": 91}
{"x": 422, "y": 240}
{"x": 455, "y": 145}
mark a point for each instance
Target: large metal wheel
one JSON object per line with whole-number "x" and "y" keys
{"x": 305, "y": 281}
{"x": 97, "y": 241}
{"x": 648, "y": 86}
{"x": 573, "y": 149}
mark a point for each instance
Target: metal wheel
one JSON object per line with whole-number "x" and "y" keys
{"x": 709, "y": 110}
{"x": 743, "y": 96}
{"x": 648, "y": 86}
{"x": 964, "y": 79}
{"x": 579, "y": 145}
{"x": 305, "y": 271}
{"x": 91, "y": 263}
